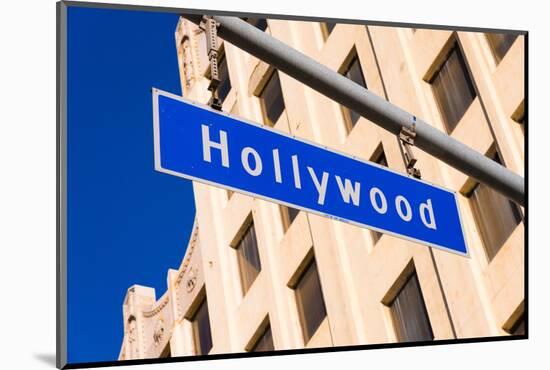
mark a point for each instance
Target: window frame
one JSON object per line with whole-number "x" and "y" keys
{"x": 253, "y": 21}
{"x": 266, "y": 119}
{"x": 286, "y": 216}
{"x": 246, "y": 281}
{"x": 493, "y": 46}
{"x": 301, "y": 305}
{"x": 470, "y": 84}
{"x": 353, "y": 56}
{"x": 397, "y": 324}
{"x": 519, "y": 325}
{"x": 489, "y": 250}
{"x": 519, "y": 116}
{"x": 264, "y": 329}
{"x": 166, "y": 352}
{"x": 376, "y": 157}
{"x": 229, "y": 194}
{"x": 326, "y": 30}
{"x": 196, "y": 328}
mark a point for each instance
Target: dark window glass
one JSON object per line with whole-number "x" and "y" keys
{"x": 225, "y": 83}
{"x": 519, "y": 327}
{"x": 354, "y": 73}
{"x": 309, "y": 298}
{"x": 500, "y": 44}
{"x": 327, "y": 29}
{"x": 166, "y": 353}
{"x": 453, "y": 89}
{"x": 409, "y": 314}
{"x": 259, "y": 23}
{"x": 495, "y": 215}
{"x": 271, "y": 99}
{"x": 201, "y": 330}
{"x": 380, "y": 158}
{"x": 375, "y": 236}
{"x": 265, "y": 342}
{"x": 521, "y": 121}
{"x": 288, "y": 214}
{"x": 249, "y": 259}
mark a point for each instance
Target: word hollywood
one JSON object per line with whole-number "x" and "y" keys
{"x": 198, "y": 143}
{"x": 253, "y": 164}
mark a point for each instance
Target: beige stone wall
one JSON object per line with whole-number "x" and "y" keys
{"x": 357, "y": 277}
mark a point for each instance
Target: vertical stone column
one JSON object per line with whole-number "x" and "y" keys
{"x": 179, "y": 346}
{"x": 138, "y": 298}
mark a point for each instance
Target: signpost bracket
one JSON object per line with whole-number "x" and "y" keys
{"x": 210, "y": 26}
{"x": 406, "y": 138}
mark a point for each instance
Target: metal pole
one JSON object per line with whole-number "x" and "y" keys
{"x": 367, "y": 104}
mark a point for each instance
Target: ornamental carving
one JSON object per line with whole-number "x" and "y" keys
{"x": 158, "y": 333}
{"x": 188, "y": 254}
{"x": 158, "y": 308}
{"x": 192, "y": 280}
{"x": 132, "y": 329}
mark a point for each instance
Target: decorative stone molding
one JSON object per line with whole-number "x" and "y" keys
{"x": 131, "y": 333}
{"x": 158, "y": 308}
{"x": 191, "y": 46}
{"x": 158, "y": 333}
{"x": 187, "y": 62}
{"x": 192, "y": 280}
{"x": 188, "y": 254}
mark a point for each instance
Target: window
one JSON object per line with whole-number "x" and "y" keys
{"x": 409, "y": 315}
{"x": 500, "y": 43}
{"x": 519, "y": 326}
{"x": 288, "y": 214}
{"x": 354, "y": 73}
{"x": 520, "y": 118}
{"x": 265, "y": 342}
{"x": 259, "y": 23}
{"x": 453, "y": 89}
{"x": 201, "y": 329}
{"x": 271, "y": 99}
{"x": 166, "y": 353}
{"x": 495, "y": 215}
{"x": 375, "y": 236}
{"x": 380, "y": 158}
{"x": 225, "y": 83}
{"x": 521, "y": 121}
{"x": 249, "y": 259}
{"x": 309, "y": 298}
{"x": 327, "y": 28}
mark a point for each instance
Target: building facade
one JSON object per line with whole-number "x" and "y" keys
{"x": 257, "y": 276}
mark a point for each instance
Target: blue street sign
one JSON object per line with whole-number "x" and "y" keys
{"x": 198, "y": 143}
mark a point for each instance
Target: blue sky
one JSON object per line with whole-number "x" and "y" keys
{"x": 127, "y": 224}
